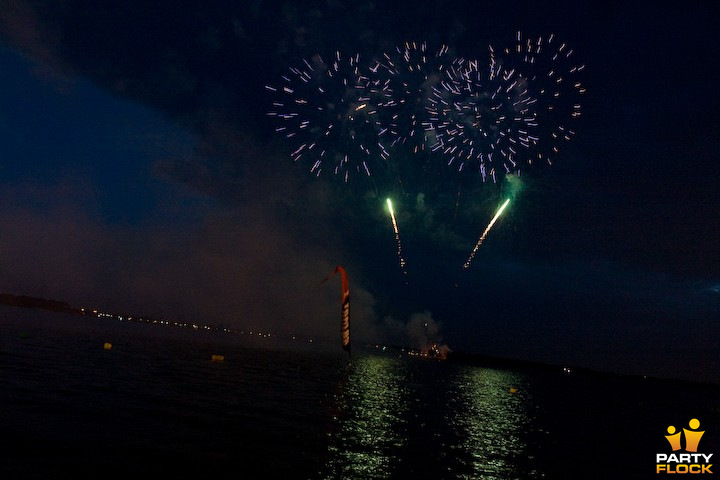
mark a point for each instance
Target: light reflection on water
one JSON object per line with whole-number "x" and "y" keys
{"x": 401, "y": 418}
{"x": 491, "y": 423}
{"x": 368, "y": 422}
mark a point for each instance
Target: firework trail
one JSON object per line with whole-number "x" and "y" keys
{"x": 401, "y": 260}
{"x": 482, "y": 237}
{"x": 328, "y": 110}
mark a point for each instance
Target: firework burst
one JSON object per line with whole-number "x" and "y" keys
{"x": 484, "y": 119}
{"x": 555, "y": 82}
{"x": 329, "y": 111}
{"x": 411, "y": 73}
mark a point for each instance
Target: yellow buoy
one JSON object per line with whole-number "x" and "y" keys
{"x": 107, "y": 346}
{"x": 217, "y": 358}
{"x": 513, "y": 390}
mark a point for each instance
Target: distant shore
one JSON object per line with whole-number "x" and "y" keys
{"x": 36, "y": 302}
{"x": 477, "y": 359}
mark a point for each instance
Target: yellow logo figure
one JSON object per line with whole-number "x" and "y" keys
{"x": 673, "y": 438}
{"x": 692, "y": 436}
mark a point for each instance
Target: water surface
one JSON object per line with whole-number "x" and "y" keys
{"x": 156, "y": 405}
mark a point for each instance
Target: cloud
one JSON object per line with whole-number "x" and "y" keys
{"x": 21, "y": 24}
{"x": 49, "y": 245}
{"x": 239, "y": 267}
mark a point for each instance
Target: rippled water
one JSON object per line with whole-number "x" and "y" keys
{"x": 155, "y": 405}
{"x": 419, "y": 419}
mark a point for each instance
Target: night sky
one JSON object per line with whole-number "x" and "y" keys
{"x": 139, "y": 172}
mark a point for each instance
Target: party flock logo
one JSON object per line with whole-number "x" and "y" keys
{"x": 692, "y": 462}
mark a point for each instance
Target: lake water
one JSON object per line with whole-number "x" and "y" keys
{"x": 155, "y": 405}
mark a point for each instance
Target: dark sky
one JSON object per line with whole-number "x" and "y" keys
{"x": 139, "y": 172}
